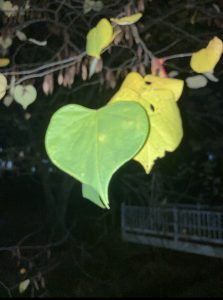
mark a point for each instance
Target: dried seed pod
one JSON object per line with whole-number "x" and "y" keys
{"x": 48, "y": 84}
{"x": 118, "y": 37}
{"x": 134, "y": 32}
{"x": 134, "y": 69}
{"x": 127, "y": 33}
{"x": 128, "y": 10}
{"x": 112, "y": 80}
{"x": 60, "y": 78}
{"x": 84, "y": 71}
{"x": 141, "y": 5}
{"x": 71, "y": 75}
{"x": 99, "y": 66}
{"x": 65, "y": 79}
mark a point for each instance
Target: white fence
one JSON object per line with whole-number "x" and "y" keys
{"x": 190, "y": 228}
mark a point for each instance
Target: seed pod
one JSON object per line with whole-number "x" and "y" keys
{"x": 60, "y": 78}
{"x": 141, "y": 5}
{"x": 118, "y": 37}
{"x": 112, "y": 80}
{"x": 71, "y": 75}
{"x": 127, "y": 34}
{"x": 135, "y": 34}
{"x": 99, "y": 66}
{"x": 48, "y": 84}
{"x": 134, "y": 69}
{"x": 84, "y": 71}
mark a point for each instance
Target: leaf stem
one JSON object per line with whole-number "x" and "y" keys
{"x": 180, "y": 55}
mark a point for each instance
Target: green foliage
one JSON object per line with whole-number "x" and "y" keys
{"x": 89, "y": 193}
{"x": 91, "y": 145}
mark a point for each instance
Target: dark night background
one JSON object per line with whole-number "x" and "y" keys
{"x": 63, "y": 243}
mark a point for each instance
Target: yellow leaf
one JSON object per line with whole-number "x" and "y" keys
{"x": 99, "y": 37}
{"x": 165, "y": 122}
{"x": 4, "y": 62}
{"x": 174, "y": 85}
{"x": 3, "y": 85}
{"x": 128, "y": 20}
{"x": 205, "y": 60}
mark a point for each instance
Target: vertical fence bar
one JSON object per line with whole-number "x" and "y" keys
{"x": 200, "y": 225}
{"x": 175, "y": 222}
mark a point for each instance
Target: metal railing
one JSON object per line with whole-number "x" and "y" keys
{"x": 194, "y": 224}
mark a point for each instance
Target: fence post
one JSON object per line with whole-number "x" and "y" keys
{"x": 175, "y": 223}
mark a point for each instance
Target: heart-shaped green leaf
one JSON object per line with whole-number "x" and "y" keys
{"x": 89, "y": 193}
{"x": 91, "y": 145}
{"x": 25, "y": 95}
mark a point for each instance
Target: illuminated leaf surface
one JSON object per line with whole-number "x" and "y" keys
{"x": 211, "y": 77}
{"x": 196, "y": 82}
{"x": 165, "y": 121}
{"x": 4, "y": 62}
{"x": 3, "y": 85}
{"x": 25, "y": 95}
{"x": 171, "y": 84}
{"x": 89, "y": 193}
{"x": 24, "y": 285}
{"x": 98, "y": 38}
{"x": 205, "y": 60}
{"x": 128, "y": 20}
{"x": 8, "y": 100}
{"x": 91, "y": 145}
